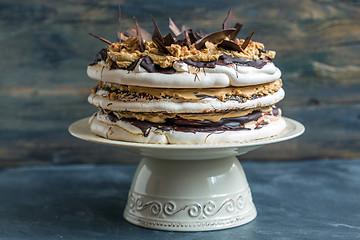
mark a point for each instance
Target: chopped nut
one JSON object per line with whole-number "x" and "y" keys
{"x": 112, "y": 96}
{"x": 175, "y": 50}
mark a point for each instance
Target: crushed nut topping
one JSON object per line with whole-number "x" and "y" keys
{"x": 186, "y": 44}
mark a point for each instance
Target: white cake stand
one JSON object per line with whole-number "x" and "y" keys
{"x": 172, "y": 190}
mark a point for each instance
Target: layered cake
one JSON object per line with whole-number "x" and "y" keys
{"x": 185, "y": 87}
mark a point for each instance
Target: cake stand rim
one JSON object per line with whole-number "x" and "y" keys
{"x": 81, "y": 129}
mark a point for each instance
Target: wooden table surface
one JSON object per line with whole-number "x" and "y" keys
{"x": 46, "y": 48}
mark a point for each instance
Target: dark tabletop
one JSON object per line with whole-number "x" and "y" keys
{"x": 295, "y": 200}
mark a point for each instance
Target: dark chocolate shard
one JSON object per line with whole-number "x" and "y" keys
{"x": 184, "y": 28}
{"x": 149, "y": 66}
{"x": 168, "y": 40}
{"x": 173, "y": 27}
{"x": 230, "y": 45}
{"x": 181, "y": 38}
{"x": 227, "y": 21}
{"x": 131, "y": 32}
{"x": 140, "y": 40}
{"x": 119, "y": 18}
{"x": 201, "y": 34}
{"x": 102, "y": 39}
{"x": 187, "y": 38}
{"x": 238, "y": 26}
{"x": 200, "y": 64}
{"x": 247, "y": 40}
{"x": 121, "y": 37}
{"x": 157, "y": 34}
{"x": 160, "y": 45}
{"x": 158, "y": 39}
{"x": 193, "y": 37}
{"x": 213, "y": 37}
{"x": 145, "y": 35}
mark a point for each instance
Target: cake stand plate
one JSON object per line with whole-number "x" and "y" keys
{"x": 181, "y": 187}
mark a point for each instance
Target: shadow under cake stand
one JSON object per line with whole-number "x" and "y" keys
{"x": 189, "y": 187}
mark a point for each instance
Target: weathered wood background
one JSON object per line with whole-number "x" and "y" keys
{"x": 45, "y": 48}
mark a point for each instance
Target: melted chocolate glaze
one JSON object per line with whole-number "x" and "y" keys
{"x": 227, "y": 59}
{"x": 184, "y": 125}
{"x": 210, "y": 64}
{"x": 149, "y": 66}
{"x": 223, "y": 60}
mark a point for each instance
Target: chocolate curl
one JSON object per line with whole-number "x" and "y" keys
{"x": 238, "y": 26}
{"x": 139, "y": 37}
{"x": 102, "y": 39}
{"x": 247, "y": 40}
{"x": 227, "y": 21}
{"x": 213, "y": 37}
{"x": 173, "y": 27}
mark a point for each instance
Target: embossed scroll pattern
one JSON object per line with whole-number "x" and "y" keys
{"x": 193, "y": 209}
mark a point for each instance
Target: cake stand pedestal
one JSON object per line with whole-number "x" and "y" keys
{"x": 189, "y": 187}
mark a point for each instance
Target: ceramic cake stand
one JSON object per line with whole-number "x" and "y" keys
{"x": 189, "y": 187}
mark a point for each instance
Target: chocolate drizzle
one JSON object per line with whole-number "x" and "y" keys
{"x": 227, "y": 59}
{"x": 149, "y": 66}
{"x": 184, "y": 125}
{"x": 210, "y": 64}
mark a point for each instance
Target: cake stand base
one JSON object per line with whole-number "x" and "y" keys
{"x": 189, "y": 195}
{"x": 184, "y": 187}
